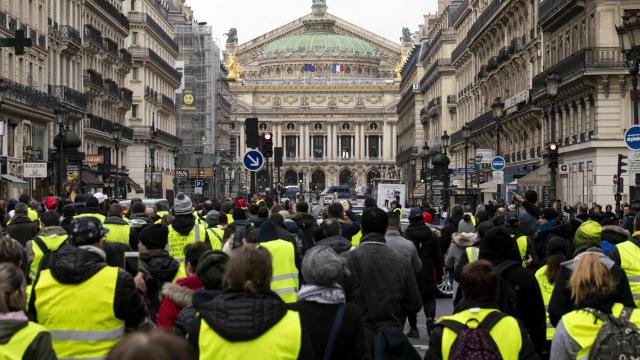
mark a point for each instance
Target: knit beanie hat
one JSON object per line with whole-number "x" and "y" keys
{"x": 268, "y": 231}
{"x": 322, "y": 266}
{"x": 211, "y": 267}
{"x": 155, "y": 237}
{"x": 182, "y": 204}
{"x": 588, "y": 234}
{"x": 213, "y": 218}
{"x": 466, "y": 226}
{"x": 50, "y": 202}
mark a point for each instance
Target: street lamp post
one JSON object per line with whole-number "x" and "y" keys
{"x": 629, "y": 37}
{"x": 553, "y": 85}
{"x": 61, "y": 119}
{"x": 445, "y": 145}
{"x": 424, "y": 156}
{"x": 466, "y": 135}
{"x": 152, "y": 154}
{"x": 117, "y": 136}
{"x": 498, "y": 114}
{"x": 175, "y": 152}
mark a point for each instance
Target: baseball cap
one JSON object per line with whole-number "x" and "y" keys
{"x": 87, "y": 230}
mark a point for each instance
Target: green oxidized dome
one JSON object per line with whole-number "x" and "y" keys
{"x": 319, "y": 42}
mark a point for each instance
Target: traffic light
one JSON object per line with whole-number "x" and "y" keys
{"x": 267, "y": 144}
{"x": 423, "y": 177}
{"x": 300, "y": 178}
{"x": 621, "y": 170}
{"x": 552, "y": 150}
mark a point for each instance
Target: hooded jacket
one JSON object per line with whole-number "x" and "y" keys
{"x": 75, "y": 265}
{"x": 339, "y": 244}
{"x": 429, "y": 252}
{"x": 23, "y": 229}
{"x": 561, "y": 301}
{"x": 562, "y": 230}
{"x": 307, "y": 224}
{"x": 382, "y": 284}
{"x": 187, "y": 317}
{"x": 456, "y": 257}
{"x": 39, "y": 349}
{"x": 176, "y": 297}
{"x": 233, "y": 316}
{"x": 137, "y": 222}
{"x": 161, "y": 269}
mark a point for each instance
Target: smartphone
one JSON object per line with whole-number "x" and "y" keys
{"x": 132, "y": 262}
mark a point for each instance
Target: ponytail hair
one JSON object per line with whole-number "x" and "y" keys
{"x": 11, "y": 280}
{"x": 249, "y": 269}
{"x": 590, "y": 277}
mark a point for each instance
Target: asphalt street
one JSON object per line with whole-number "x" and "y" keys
{"x": 443, "y": 307}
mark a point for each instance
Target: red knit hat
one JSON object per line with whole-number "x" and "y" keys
{"x": 51, "y": 203}
{"x": 428, "y": 218}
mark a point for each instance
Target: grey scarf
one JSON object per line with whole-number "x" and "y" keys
{"x": 322, "y": 294}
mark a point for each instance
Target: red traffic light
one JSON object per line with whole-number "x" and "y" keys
{"x": 267, "y": 136}
{"x": 552, "y": 147}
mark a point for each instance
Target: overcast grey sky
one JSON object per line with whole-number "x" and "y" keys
{"x": 253, "y": 18}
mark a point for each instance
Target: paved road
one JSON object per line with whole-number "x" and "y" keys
{"x": 444, "y": 307}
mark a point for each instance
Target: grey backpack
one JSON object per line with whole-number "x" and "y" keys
{"x": 618, "y": 338}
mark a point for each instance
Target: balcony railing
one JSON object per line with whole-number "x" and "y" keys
{"x": 478, "y": 124}
{"x": 483, "y": 19}
{"x": 125, "y": 57}
{"x": 168, "y": 103}
{"x": 29, "y": 96}
{"x": 589, "y": 58}
{"x": 455, "y": 54}
{"x": 69, "y": 34}
{"x": 127, "y": 133}
{"x": 150, "y": 94}
{"x": 126, "y": 95}
{"x": 430, "y": 75}
{"x": 406, "y": 154}
{"x": 112, "y": 88}
{"x": 138, "y": 17}
{"x": 93, "y": 79}
{"x": 144, "y": 133}
{"x": 113, "y": 12}
{"x": 140, "y": 52}
{"x": 69, "y": 96}
{"x": 111, "y": 47}
{"x": 3, "y": 19}
{"x": 93, "y": 35}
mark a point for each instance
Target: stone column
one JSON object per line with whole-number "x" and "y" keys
{"x": 300, "y": 151}
{"x": 358, "y": 138}
{"x": 241, "y": 145}
{"x": 330, "y": 145}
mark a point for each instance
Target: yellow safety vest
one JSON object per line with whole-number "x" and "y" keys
{"x": 162, "y": 214}
{"x": 20, "y": 341}
{"x": 32, "y": 214}
{"x": 508, "y": 340}
{"x": 583, "y": 327}
{"x": 52, "y": 242}
{"x": 630, "y": 263}
{"x": 230, "y": 219}
{"x": 284, "y": 281}
{"x": 356, "y": 239}
{"x": 177, "y": 241}
{"x": 473, "y": 254}
{"x": 118, "y": 233}
{"x": 546, "y": 288}
{"x": 281, "y": 342}
{"x": 86, "y": 326}
{"x": 100, "y": 217}
{"x": 215, "y": 238}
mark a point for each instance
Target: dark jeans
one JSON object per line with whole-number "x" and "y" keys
{"x": 429, "y": 308}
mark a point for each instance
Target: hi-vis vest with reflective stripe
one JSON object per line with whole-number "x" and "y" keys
{"x": 473, "y": 254}
{"x": 177, "y": 241}
{"x": 583, "y": 327}
{"x": 630, "y": 263}
{"x": 80, "y": 317}
{"x": 118, "y": 233}
{"x": 53, "y": 243}
{"x": 546, "y": 288}
{"x": 215, "y": 238}
{"x": 356, "y": 239}
{"x": 20, "y": 341}
{"x": 284, "y": 281}
{"x": 281, "y": 342}
{"x": 100, "y": 217}
{"x": 504, "y": 334}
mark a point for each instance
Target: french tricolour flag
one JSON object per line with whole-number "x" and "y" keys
{"x": 337, "y": 68}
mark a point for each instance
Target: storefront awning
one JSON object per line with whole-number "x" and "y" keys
{"x": 539, "y": 177}
{"x": 13, "y": 179}
{"x": 134, "y": 185}
{"x": 90, "y": 180}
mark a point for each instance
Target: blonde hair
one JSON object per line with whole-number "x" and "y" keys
{"x": 11, "y": 280}
{"x": 589, "y": 278}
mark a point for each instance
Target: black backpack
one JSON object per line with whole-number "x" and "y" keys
{"x": 47, "y": 255}
{"x": 474, "y": 344}
{"x": 506, "y": 295}
{"x": 618, "y": 338}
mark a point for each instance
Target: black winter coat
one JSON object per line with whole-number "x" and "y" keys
{"x": 317, "y": 320}
{"x": 428, "y": 247}
{"x": 446, "y": 235}
{"x": 73, "y": 265}
{"x": 23, "y": 229}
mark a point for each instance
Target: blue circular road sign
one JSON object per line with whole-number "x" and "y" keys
{"x": 498, "y": 163}
{"x": 253, "y": 160}
{"x": 632, "y": 137}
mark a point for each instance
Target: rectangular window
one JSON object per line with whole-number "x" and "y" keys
{"x": 134, "y": 111}
{"x": 233, "y": 146}
{"x": 373, "y": 148}
{"x": 345, "y": 147}
{"x": 318, "y": 147}
{"x": 11, "y": 139}
{"x": 134, "y": 73}
{"x": 134, "y": 38}
{"x": 290, "y": 146}
{"x": 38, "y": 141}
